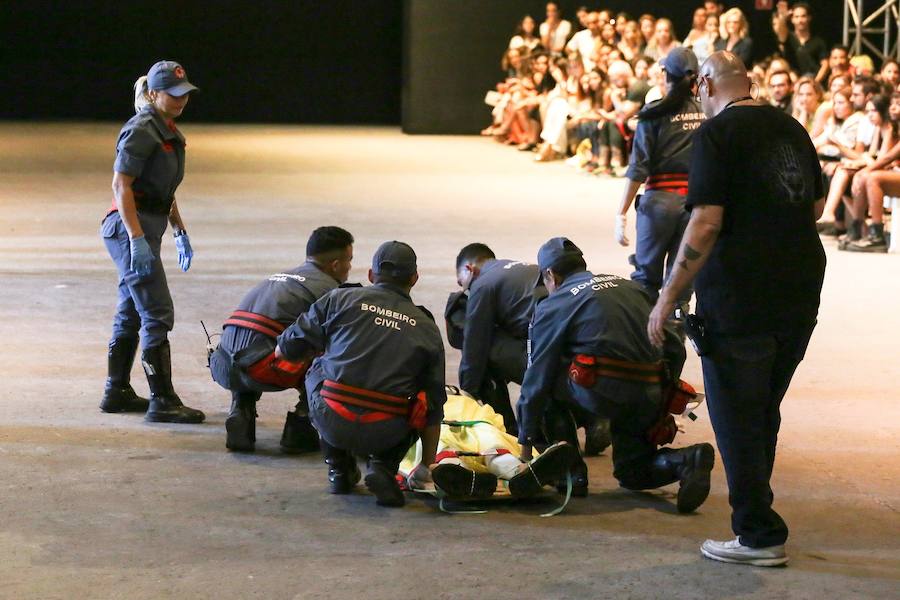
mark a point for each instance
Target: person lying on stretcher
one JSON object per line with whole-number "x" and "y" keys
{"x": 475, "y": 452}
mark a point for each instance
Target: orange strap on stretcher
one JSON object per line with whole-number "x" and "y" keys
{"x": 677, "y": 183}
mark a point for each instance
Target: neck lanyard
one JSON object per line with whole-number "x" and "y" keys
{"x": 736, "y": 100}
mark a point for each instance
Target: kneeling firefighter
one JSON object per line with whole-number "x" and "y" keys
{"x": 377, "y": 380}
{"x": 589, "y": 349}
{"x": 488, "y": 321}
{"x": 244, "y": 361}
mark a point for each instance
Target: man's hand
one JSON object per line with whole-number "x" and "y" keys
{"x": 419, "y": 477}
{"x": 656, "y": 324}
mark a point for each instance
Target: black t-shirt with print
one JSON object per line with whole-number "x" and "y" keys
{"x": 765, "y": 272}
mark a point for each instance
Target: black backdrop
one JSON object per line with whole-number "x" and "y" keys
{"x": 300, "y": 61}
{"x": 452, "y": 50}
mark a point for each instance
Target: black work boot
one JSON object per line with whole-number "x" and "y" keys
{"x": 559, "y": 426}
{"x": 118, "y": 395}
{"x": 343, "y": 473}
{"x": 240, "y": 426}
{"x": 597, "y": 437}
{"x": 382, "y": 481}
{"x": 549, "y": 468}
{"x": 299, "y": 435}
{"x": 691, "y": 466}
{"x": 165, "y": 405}
{"x": 873, "y": 242}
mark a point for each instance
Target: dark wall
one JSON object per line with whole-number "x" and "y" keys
{"x": 303, "y": 61}
{"x": 452, "y": 50}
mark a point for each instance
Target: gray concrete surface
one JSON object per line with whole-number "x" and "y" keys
{"x": 103, "y": 506}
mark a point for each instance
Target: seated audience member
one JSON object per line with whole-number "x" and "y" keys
{"x": 781, "y": 91}
{"x": 838, "y": 62}
{"x": 806, "y": 53}
{"x": 525, "y": 36}
{"x": 863, "y": 89}
{"x": 554, "y": 30}
{"x": 559, "y": 107}
{"x": 625, "y": 97}
{"x": 705, "y": 45}
{"x": 590, "y": 121}
{"x": 586, "y": 40}
{"x": 647, "y": 25}
{"x": 582, "y": 15}
{"x": 870, "y": 185}
{"x": 631, "y": 43}
{"x": 807, "y": 97}
{"x": 515, "y": 68}
{"x": 664, "y": 40}
{"x": 608, "y": 34}
{"x": 623, "y": 19}
{"x": 840, "y": 134}
{"x": 862, "y": 66}
{"x": 698, "y": 28}
{"x": 882, "y": 140}
{"x": 734, "y": 31}
{"x": 889, "y": 77}
{"x": 641, "y": 65}
{"x": 780, "y": 64}
{"x": 714, "y": 8}
{"x": 825, "y": 110}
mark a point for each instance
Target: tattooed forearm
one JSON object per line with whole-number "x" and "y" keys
{"x": 690, "y": 253}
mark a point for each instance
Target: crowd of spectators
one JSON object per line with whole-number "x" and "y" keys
{"x": 573, "y": 91}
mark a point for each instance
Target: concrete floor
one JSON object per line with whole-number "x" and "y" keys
{"x": 103, "y": 506}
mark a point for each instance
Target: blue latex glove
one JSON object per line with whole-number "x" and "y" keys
{"x": 141, "y": 257}
{"x": 185, "y": 252}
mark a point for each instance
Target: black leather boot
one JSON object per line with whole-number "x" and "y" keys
{"x": 299, "y": 435}
{"x": 382, "y": 476}
{"x": 691, "y": 466}
{"x": 597, "y": 437}
{"x": 559, "y": 426}
{"x": 343, "y": 473}
{"x": 118, "y": 395}
{"x": 550, "y": 467}
{"x": 165, "y": 405}
{"x": 240, "y": 426}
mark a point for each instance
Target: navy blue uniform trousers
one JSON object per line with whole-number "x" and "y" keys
{"x": 746, "y": 377}
{"x": 661, "y": 221}
{"x": 144, "y": 305}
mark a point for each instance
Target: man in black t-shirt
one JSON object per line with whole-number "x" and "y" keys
{"x": 755, "y": 191}
{"x": 806, "y": 53}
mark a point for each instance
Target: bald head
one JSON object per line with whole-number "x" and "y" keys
{"x": 723, "y": 78}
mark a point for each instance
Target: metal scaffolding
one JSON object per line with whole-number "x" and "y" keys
{"x": 860, "y": 29}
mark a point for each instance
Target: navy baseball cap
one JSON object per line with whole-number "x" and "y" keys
{"x": 394, "y": 258}
{"x": 169, "y": 77}
{"x": 555, "y": 250}
{"x": 680, "y": 61}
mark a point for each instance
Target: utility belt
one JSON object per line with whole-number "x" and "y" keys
{"x": 378, "y": 406}
{"x": 585, "y": 370}
{"x": 677, "y": 183}
{"x": 268, "y": 370}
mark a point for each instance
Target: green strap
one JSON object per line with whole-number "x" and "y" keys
{"x": 465, "y": 423}
{"x": 457, "y": 512}
{"x": 565, "y": 503}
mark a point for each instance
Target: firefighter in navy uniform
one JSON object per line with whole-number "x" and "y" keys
{"x": 378, "y": 380}
{"x": 149, "y": 167}
{"x": 244, "y": 361}
{"x": 589, "y": 348}
{"x": 660, "y": 159}
{"x": 498, "y": 306}
{"x": 491, "y": 328}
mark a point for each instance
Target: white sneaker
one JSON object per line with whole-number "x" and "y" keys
{"x": 732, "y": 551}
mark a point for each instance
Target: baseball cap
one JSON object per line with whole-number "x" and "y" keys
{"x": 555, "y": 250}
{"x": 394, "y": 258}
{"x": 168, "y": 76}
{"x": 680, "y": 61}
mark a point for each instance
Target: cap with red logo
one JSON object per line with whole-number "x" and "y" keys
{"x": 169, "y": 77}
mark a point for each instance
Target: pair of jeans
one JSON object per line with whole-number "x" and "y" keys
{"x": 661, "y": 221}
{"x": 746, "y": 377}
{"x": 144, "y": 304}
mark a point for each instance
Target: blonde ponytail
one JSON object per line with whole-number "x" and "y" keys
{"x": 141, "y": 93}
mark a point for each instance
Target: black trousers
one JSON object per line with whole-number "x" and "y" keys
{"x": 746, "y": 377}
